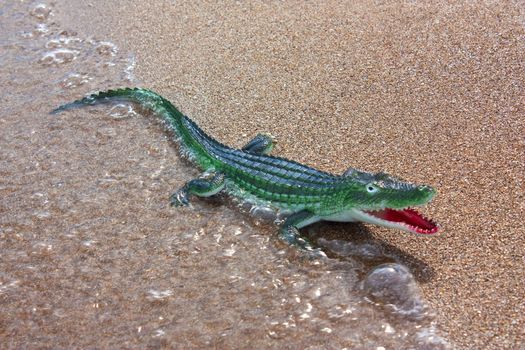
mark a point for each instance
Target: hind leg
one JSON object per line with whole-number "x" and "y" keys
{"x": 289, "y": 232}
{"x": 205, "y": 186}
{"x": 260, "y": 144}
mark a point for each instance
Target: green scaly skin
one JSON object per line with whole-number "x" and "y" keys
{"x": 302, "y": 194}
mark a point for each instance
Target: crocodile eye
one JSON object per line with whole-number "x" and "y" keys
{"x": 371, "y": 188}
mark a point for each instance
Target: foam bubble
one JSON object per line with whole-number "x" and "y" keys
{"x": 62, "y": 42}
{"x": 74, "y": 80}
{"x": 105, "y": 48}
{"x": 41, "y": 29}
{"x": 130, "y": 67}
{"x": 122, "y": 111}
{"x": 59, "y": 56}
{"x": 394, "y": 285}
{"x": 5, "y": 287}
{"x": 42, "y": 249}
{"x": 156, "y": 295}
{"x": 230, "y": 251}
{"x": 41, "y": 12}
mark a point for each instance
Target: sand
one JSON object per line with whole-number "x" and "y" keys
{"x": 429, "y": 91}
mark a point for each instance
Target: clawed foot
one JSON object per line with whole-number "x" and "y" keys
{"x": 180, "y": 199}
{"x": 291, "y": 236}
{"x": 312, "y": 254}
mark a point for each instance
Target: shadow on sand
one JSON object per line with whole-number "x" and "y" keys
{"x": 353, "y": 240}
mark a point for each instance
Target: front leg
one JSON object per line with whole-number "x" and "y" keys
{"x": 289, "y": 231}
{"x": 204, "y": 186}
{"x": 260, "y": 144}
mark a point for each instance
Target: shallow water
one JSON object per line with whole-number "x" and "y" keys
{"x": 93, "y": 256}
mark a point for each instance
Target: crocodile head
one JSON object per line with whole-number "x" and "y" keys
{"x": 387, "y": 201}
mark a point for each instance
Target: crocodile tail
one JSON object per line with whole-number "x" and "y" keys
{"x": 175, "y": 120}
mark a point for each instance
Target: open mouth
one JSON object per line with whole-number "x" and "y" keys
{"x": 407, "y": 219}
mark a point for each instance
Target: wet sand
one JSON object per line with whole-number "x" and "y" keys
{"x": 430, "y": 92}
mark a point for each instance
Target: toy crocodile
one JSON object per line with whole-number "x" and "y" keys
{"x": 301, "y": 194}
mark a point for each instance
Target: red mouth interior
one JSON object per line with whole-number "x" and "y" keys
{"x": 409, "y": 217}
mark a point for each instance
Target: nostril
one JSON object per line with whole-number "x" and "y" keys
{"x": 425, "y": 188}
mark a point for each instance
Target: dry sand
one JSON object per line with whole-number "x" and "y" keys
{"x": 429, "y": 91}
